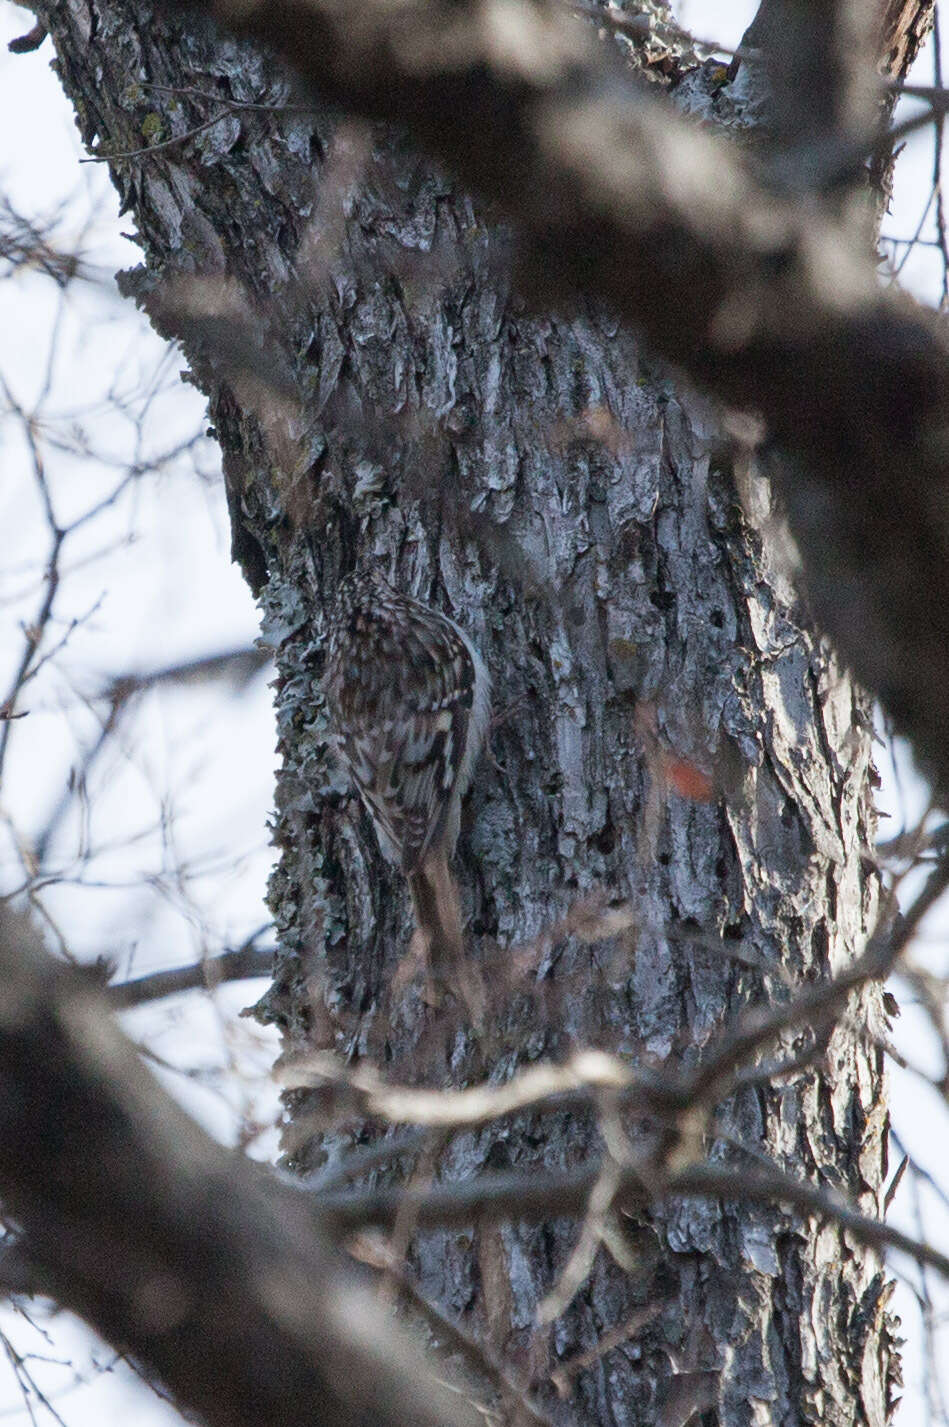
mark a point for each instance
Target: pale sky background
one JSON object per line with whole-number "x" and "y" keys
{"x": 178, "y": 833}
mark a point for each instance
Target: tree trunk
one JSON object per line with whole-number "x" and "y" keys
{"x": 669, "y": 730}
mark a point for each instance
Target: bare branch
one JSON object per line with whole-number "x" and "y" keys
{"x": 25, "y": 44}
{"x": 35, "y": 633}
{"x": 587, "y": 1071}
{"x": 895, "y": 1184}
{"x": 449, "y": 1336}
{"x": 561, "y": 1375}
{"x": 588, "y": 1074}
{"x": 533, "y": 1198}
{"x": 238, "y": 666}
{"x": 818, "y": 1005}
{"x": 239, "y": 964}
{"x": 366, "y": 1157}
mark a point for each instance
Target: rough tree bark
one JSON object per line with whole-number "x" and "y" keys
{"x": 670, "y": 729}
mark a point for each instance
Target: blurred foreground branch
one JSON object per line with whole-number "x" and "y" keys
{"x": 162, "y": 1240}
{"x": 185, "y": 1255}
{"x": 771, "y": 304}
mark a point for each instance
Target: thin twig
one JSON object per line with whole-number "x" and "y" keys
{"x": 548, "y": 1087}
{"x": 239, "y": 964}
{"x": 368, "y": 1250}
{"x": 937, "y": 163}
{"x": 587, "y": 1071}
{"x": 561, "y": 1375}
{"x": 820, "y": 1003}
{"x": 363, "y": 1159}
{"x": 151, "y": 149}
{"x": 533, "y": 1198}
{"x": 894, "y": 1185}
{"x": 36, "y": 631}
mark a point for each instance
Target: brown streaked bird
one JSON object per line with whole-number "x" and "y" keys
{"x": 409, "y": 699}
